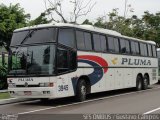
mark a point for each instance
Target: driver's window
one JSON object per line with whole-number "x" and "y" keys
{"x": 66, "y": 60}
{"x": 62, "y": 61}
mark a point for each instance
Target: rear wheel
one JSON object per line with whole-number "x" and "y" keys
{"x": 81, "y": 91}
{"x": 145, "y": 82}
{"x": 139, "y": 83}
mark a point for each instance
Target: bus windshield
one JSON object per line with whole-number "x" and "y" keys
{"x": 36, "y": 60}
{"x": 34, "y": 36}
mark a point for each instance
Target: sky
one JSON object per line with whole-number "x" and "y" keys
{"x": 102, "y": 7}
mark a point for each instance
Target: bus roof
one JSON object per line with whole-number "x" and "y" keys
{"x": 85, "y": 27}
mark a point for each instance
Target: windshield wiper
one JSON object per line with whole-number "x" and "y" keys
{"x": 28, "y": 35}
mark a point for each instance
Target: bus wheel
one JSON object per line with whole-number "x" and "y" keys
{"x": 139, "y": 83}
{"x": 81, "y": 91}
{"x": 145, "y": 82}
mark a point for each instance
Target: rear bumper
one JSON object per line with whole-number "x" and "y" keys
{"x": 40, "y": 92}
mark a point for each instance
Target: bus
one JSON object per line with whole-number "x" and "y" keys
{"x": 3, "y": 70}
{"x": 158, "y": 55}
{"x": 63, "y": 60}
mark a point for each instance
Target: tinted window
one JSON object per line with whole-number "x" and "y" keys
{"x": 97, "y": 42}
{"x": 88, "y": 43}
{"x": 149, "y": 50}
{"x": 125, "y": 47}
{"x": 62, "y": 60}
{"x": 103, "y": 43}
{"x": 34, "y": 36}
{"x": 137, "y": 48}
{"x": 66, "y": 37}
{"x": 154, "y": 50}
{"x": 72, "y": 60}
{"x": 111, "y": 44}
{"x": 116, "y": 45}
{"x": 143, "y": 48}
{"x": 133, "y": 48}
{"x": 83, "y": 40}
{"x": 18, "y": 37}
{"x": 80, "y": 40}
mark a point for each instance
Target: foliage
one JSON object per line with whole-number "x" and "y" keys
{"x": 79, "y": 8}
{"x": 87, "y": 22}
{"x": 4, "y": 95}
{"x": 11, "y": 17}
{"x": 146, "y": 28}
{"x": 40, "y": 20}
{"x": 3, "y": 77}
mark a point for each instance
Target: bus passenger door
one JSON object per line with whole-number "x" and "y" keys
{"x": 66, "y": 64}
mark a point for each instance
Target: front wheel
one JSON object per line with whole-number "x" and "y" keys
{"x": 81, "y": 92}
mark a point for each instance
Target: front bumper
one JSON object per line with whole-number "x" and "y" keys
{"x": 39, "y": 92}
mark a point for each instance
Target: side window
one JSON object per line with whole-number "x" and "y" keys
{"x": 83, "y": 40}
{"x": 137, "y": 48}
{"x": 143, "y": 48}
{"x": 80, "y": 40}
{"x": 103, "y": 43}
{"x": 62, "y": 60}
{"x": 125, "y": 47}
{"x": 88, "y": 43}
{"x": 133, "y": 48}
{"x": 72, "y": 60}
{"x": 66, "y": 37}
{"x": 116, "y": 45}
{"x": 149, "y": 50}
{"x": 111, "y": 44}
{"x": 154, "y": 51}
{"x": 97, "y": 42}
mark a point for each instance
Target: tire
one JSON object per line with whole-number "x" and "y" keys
{"x": 81, "y": 91}
{"x": 145, "y": 82}
{"x": 139, "y": 83}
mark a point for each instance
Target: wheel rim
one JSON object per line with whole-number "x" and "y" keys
{"x": 83, "y": 90}
{"x": 139, "y": 85}
{"x": 145, "y": 81}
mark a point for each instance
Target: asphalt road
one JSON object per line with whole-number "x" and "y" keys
{"x": 119, "y": 101}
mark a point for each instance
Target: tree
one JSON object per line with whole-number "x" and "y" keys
{"x": 40, "y": 20}
{"x": 11, "y": 17}
{"x": 80, "y": 8}
{"x": 152, "y": 27}
{"x": 87, "y": 22}
{"x": 146, "y": 28}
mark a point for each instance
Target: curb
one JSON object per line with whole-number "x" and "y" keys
{"x": 12, "y": 100}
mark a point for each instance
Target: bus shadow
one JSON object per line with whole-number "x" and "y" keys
{"x": 71, "y": 100}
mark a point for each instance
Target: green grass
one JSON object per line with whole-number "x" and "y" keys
{"x": 4, "y": 95}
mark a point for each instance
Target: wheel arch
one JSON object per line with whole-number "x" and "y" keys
{"x": 88, "y": 82}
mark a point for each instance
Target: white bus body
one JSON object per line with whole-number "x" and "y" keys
{"x": 102, "y": 71}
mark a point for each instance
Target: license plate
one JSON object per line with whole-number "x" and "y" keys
{"x": 27, "y": 92}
